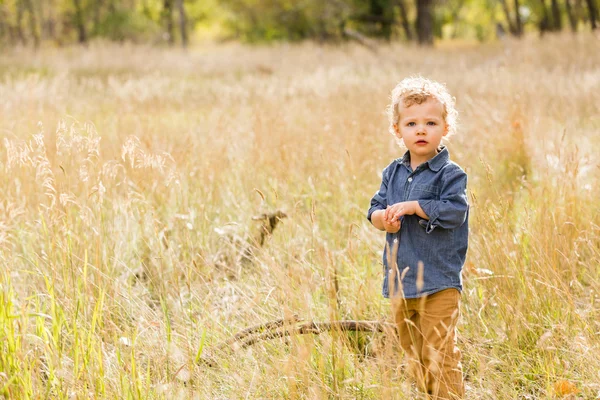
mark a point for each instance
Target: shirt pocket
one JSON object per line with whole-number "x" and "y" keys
{"x": 437, "y": 248}
{"x": 425, "y": 192}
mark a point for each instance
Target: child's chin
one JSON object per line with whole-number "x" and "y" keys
{"x": 422, "y": 149}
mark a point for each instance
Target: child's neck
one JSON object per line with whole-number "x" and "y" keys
{"x": 416, "y": 160}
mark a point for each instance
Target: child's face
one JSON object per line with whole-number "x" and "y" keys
{"x": 422, "y": 127}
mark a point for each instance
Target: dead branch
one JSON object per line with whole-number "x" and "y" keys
{"x": 268, "y": 326}
{"x": 285, "y": 327}
{"x": 317, "y": 328}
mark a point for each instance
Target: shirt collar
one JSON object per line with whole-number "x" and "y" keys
{"x": 435, "y": 164}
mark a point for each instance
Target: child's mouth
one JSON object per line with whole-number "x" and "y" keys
{"x": 421, "y": 143}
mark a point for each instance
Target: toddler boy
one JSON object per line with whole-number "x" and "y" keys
{"x": 422, "y": 205}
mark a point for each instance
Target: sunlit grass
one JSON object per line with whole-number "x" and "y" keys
{"x": 130, "y": 176}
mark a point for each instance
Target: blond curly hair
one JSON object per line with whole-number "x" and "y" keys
{"x": 416, "y": 90}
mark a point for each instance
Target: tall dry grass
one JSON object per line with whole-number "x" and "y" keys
{"x": 121, "y": 167}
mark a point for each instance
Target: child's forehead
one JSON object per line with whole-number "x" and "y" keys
{"x": 431, "y": 106}
{"x": 409, "y": 99}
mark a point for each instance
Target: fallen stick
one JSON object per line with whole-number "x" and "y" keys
{"x": 267, "y": 326}
{"x": 251, "y": 337}
{"x": 207, "y": 356}
{"x": 317, "y": 328}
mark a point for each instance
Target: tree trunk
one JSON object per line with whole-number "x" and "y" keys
{"x": 80, "y": 22}
{"x": 3, "y": 25}
{"x": 380, "y": 12}
{"x": 47, "y": 16}
{"x": 168, "y": 20}
{"x": 592, "y": 13}
{"x": 42, "y": 14}
{"x": 182, "y": 23}
{"x": 518, "y": 24}
{"x": 98, "y": 5}
{"x": 556, "y": 20}
{"x": 511, "y": 26}
{"x": 425, "y": 22}
{"x": 544, "y": 24}
{"x": 571, "y": 15}
{"x": 32, "y": 22}
{"x": 20, "y": 33}
{"x": 579, "y": 10}
{"x": 404, "y": 18}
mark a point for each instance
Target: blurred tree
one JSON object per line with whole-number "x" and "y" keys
{"x": 3, "y": 24}
{"x": 514, "y": 27}
{"x": 19, "y": 27}
{"x": 167, "y": 17}
{"x": 119, "y": 22}
{"x": 80, "y": 22}
{"x": 404, "y": 19}
{"x": 544, "y": 23}
{"x": 97, "y": 11}
{"x": 592, "y": 13}
{"x": 182, "y": 23}
{"x": 454, "y": 17}
{"x": 375, "y": 17}
{"x": 471, "y": 19}
{"x": 518, "y": 22}
{"x": 174, "y": 21}
{"x": 255, "y": 20}
{"x": 332, "y": 18}
{"x": 33, "y": 29}
{"x": 48, "y": 19}
{"x": 386, "y": 18}
{"x": 571, "y": 15}
{"x": 556, "y": 17}
{"x": 424, "y": 22}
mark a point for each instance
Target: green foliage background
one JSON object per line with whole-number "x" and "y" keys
{"x": 29, "y": 21}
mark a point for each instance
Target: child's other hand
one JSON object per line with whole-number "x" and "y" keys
{"x": 397, "y": 210}
{"x": 391, "y": 225}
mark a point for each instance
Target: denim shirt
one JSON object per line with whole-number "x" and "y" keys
{"x": 440, "y": 243}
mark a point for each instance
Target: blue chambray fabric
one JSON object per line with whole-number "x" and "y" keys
{"x": 440, "y": 187}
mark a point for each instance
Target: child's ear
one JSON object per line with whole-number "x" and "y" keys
{"x": 445, "y": 130}
{"x": 397, "y": 131}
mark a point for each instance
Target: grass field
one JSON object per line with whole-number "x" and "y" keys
{"x": 129, "y": 177}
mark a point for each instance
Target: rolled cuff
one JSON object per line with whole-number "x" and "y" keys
{"x": 377, "y": 203}
{"x": 372, "y": 210}
{"x": 429, "y": 207}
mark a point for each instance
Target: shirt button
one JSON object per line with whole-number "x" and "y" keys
{"x": 410, "y": 179}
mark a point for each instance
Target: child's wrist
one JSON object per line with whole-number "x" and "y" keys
{"x": 414, "y": 206}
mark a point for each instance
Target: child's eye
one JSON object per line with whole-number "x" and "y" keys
{"x": 431, "y": 123}
{"x": 411, "y": 124}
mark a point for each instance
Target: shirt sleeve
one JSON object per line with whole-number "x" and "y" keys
{"x": 450, "y": 212}
{"x": 379, "y": 200}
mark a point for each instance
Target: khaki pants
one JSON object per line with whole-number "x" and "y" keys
{"x": 427, "y": 330}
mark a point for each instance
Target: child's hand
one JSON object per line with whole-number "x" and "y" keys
{"x": 397, "y": 210}
{"x": 390, "y": 224}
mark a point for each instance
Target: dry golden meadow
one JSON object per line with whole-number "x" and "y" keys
{"x": 130, "y": 177}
